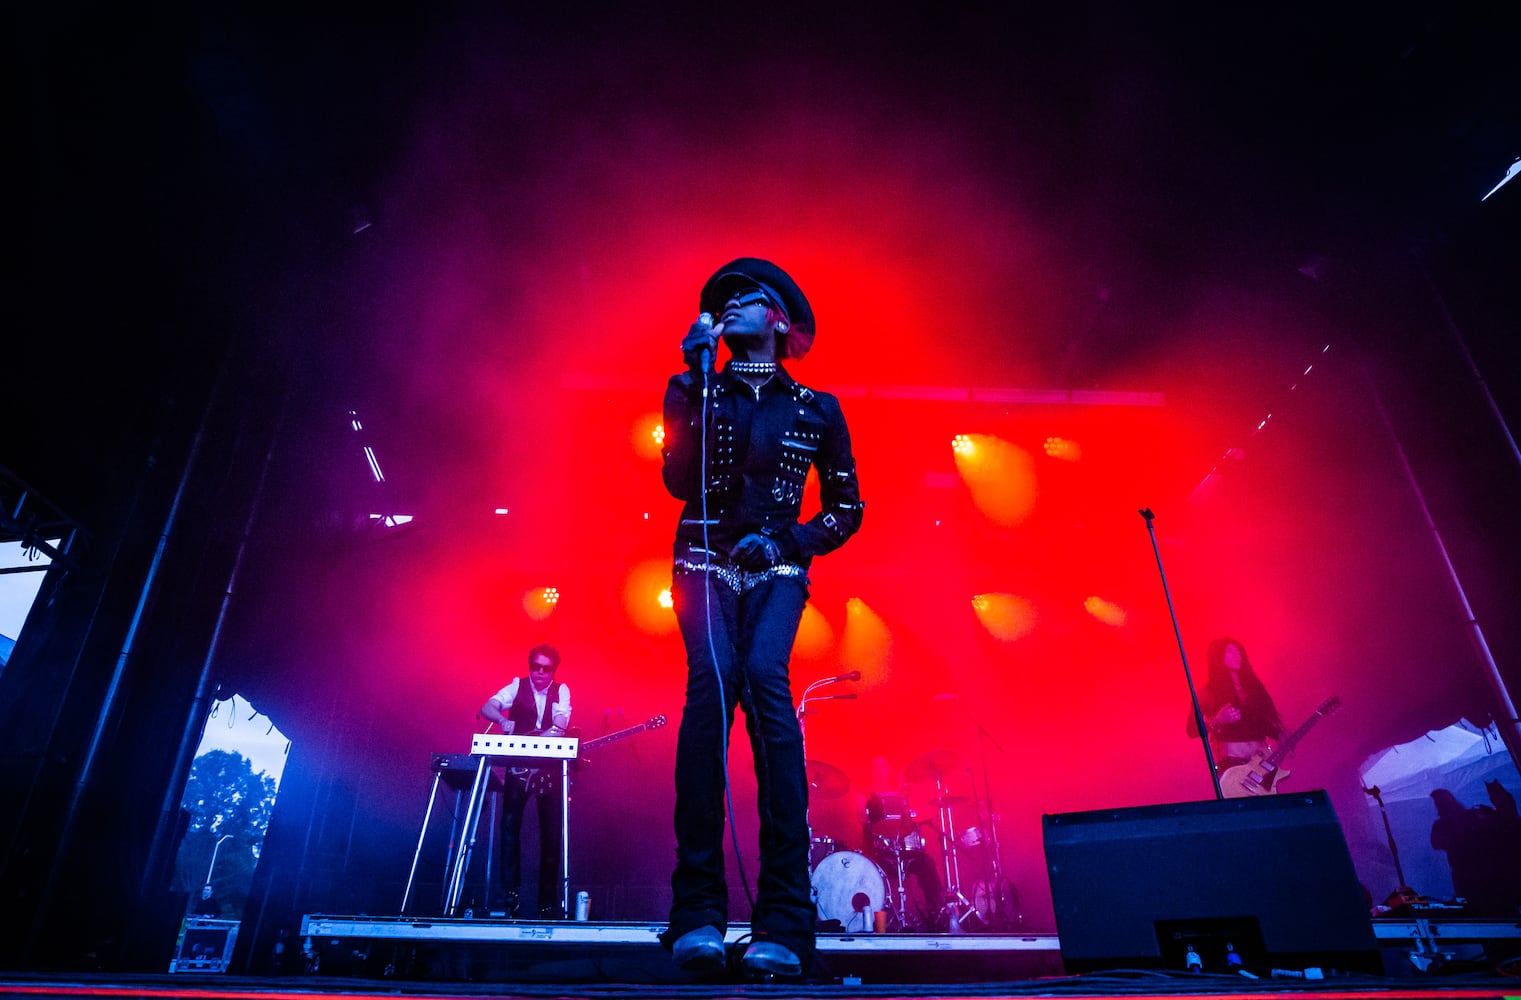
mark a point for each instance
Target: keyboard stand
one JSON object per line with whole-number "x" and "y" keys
{"x": 533, "y": 751}
{"x": 457, "y": 771}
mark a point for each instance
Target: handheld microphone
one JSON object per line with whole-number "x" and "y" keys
{"x": 706, "y": 319}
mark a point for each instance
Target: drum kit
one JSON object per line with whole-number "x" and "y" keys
{"x": 908, "y": 875}
{"x": 911, "y": 861}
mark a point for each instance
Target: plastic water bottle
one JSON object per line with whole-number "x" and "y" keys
{"x": 1192, "y": 961}
{"x": 1232, "y": 958}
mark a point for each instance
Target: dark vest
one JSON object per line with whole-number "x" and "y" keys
{"x": 524, "y": 714}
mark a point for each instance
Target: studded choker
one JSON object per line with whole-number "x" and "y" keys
{"x": 752, "y": 367}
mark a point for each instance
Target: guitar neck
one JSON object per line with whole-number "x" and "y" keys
{"x": 602, "y": 741}
{"x": 1287, "y": 746}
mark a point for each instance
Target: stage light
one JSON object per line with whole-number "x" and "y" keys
{"x": 1063, "y": 449}
{"x": 392, "y": 520}
{"x": 502, "y": 510}
{"x": 647, "y": 597}
{"x": 539, "y": 603}
{"x": 1007, "y": 617}
{"x": 961, "y": 444}
{"x": 647, "y": 436}
{"x": 1105, "y": 611}
{"x": 1000, "y": 477}
{"x": 867, "y": 644}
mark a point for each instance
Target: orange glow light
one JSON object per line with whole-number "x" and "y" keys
{"x": 867, "y": 644}
{"x": 1063, "y": 449}
{"x": 1000, "y": 476}
{"x": 647, "y": 597}
{"x": 814, "y": 636}
{"x": 648, "y": 436}
{"x": 1105, "y": 611}
{"x": 1007, "y": 617}
{"x": 539, "y": 603}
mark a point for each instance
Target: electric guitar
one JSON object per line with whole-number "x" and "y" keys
{"x": 538, "y": 780}
{"x": 1261, "y": 774}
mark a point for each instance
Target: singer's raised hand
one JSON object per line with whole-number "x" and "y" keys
{"x": 702, "y": 336}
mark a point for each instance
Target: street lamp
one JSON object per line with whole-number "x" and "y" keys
{"x": 214, "y": 850}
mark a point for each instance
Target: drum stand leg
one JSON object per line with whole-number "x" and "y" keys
{"x": 901, "y": 902}
{"x": 957, "y": 907}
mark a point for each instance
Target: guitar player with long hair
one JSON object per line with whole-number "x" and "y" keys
{"x": 1238, "y": 710}
{"x": 536, "y": 704}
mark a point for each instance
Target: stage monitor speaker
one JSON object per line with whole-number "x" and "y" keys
{"x": 1264, "y": 882}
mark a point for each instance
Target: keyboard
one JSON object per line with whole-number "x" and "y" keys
{"x": 537, "y": 747}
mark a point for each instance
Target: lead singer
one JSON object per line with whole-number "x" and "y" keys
{"x": 739, "y": 584}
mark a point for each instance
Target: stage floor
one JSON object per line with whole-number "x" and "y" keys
{"x": 365, "y": 957}
{"x": 1472, "y": 986}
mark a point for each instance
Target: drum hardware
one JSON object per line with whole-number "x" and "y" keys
{"x": 1002, "y": 907}
{"x": 820, "y": 848}
{"x": 931, "y": 766}
{"x": 957, "y": 910}
{"x": 825, "y": 780}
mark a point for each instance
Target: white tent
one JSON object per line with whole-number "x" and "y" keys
{"x": 1459, "y": 758}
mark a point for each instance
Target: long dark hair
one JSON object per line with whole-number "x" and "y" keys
{"x": 1219, "y": 685}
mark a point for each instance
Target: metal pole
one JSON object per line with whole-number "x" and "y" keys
{"x": 1505, "y": 718}
{"x": 104, "y": 726}
{"x": 565, "y": 910}
{"x": 1193, "y": 693}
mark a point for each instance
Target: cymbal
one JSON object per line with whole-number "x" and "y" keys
{"x": 931, "y": 765}
{"x": 951, "y": 801}
{"x": 825, "y": 780}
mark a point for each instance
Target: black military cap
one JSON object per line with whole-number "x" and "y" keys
{"x": 752, "y": 272}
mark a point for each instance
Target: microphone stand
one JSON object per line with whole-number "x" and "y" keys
{"x": 1404, "y": 891}
{"x": 996, "y": 896}
{"x": 802, "y": 728}
{"x": 1193, "y": 693}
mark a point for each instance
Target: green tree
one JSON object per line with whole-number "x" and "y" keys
{"x": 223, "y": 798}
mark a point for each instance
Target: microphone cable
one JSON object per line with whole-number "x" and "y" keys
{"x": 718, "y": 675}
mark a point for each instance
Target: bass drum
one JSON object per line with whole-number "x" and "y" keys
{"x": 849, "y": 887}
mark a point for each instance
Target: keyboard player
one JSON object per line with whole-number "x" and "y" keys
{"x": 537, "y": 704}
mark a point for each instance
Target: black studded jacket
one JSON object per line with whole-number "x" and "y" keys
{"x": 760, "y": 444}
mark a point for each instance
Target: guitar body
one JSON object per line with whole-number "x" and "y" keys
{"x": 1254, "y": 777}
{"x": 1261, "y": 774}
